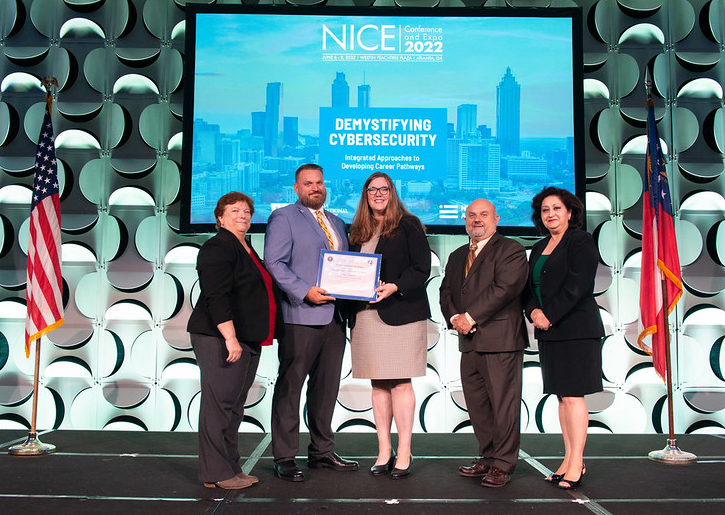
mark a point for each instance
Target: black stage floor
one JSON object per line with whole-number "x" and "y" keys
{"x": 132, "y": 473}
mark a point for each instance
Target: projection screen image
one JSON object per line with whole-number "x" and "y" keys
{"x": 453, "y": 108}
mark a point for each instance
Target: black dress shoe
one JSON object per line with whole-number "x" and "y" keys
{"x": 289, "y": 471}
{"x": 379, "y": 470}
{"x": 397, "y": 473}
{"x": 332, "y": 461}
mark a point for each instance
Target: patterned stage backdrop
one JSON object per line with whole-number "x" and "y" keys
{"x": 123, "y": 360}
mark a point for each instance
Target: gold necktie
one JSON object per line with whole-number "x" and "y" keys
{"x": 471, "y": 258}
{"x": 324, "y": 228}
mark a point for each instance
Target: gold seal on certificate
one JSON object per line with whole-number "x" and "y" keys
{"x": 349, "y": 275}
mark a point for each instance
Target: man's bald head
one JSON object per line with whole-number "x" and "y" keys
{"x": 481, "y": 220}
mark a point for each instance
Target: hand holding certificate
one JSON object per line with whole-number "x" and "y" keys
{"x": 349, "y": 275}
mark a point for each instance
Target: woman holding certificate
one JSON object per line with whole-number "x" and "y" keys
{"x": 388, "y": 335}
{"x": 235, "y": 315}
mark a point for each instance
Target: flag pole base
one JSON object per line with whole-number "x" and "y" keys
{"x": 672, "y": 455}
{"x": 32, "y": 447}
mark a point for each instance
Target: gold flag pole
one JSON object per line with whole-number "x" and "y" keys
{"x": 671, "y": 454}
{"x": 33, "y": 446}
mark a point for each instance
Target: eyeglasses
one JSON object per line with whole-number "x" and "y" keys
{"x": 383, "y": 190}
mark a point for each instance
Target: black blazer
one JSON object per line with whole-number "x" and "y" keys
{"x": 406, "y": 263}
{"x": 567, "y": 288}
{"x": 232, "y": 288}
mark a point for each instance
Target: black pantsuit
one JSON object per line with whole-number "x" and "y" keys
{"x": 233, "y": 289}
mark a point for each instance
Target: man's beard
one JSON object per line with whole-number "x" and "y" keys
{"x": 313, "y": 204}
{"x": 478, "y": 232}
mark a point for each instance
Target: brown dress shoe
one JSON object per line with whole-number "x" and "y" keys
{"x": 496, "y": 478}
{"x": 234, "y": 483}
{"x": 253, "y": 479}
{"x": 479, "y": 468}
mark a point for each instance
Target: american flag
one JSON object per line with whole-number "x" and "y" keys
{"x": 659, "y": 251}
{"x": 44, "y": 290}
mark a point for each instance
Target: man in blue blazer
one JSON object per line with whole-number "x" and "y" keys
{"x": 314, "y": 340}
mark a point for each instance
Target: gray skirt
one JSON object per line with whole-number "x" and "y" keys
{"x": 382, "y": 351}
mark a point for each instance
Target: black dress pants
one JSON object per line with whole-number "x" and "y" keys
{"x": 224, "y": 388}
{"x": 315, "y": 351}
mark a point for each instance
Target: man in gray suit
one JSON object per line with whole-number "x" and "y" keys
{"x": 314, "y": 340}
{"x": 480, "y": 298}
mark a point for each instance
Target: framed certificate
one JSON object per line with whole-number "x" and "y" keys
{"x": 349, "y": 275}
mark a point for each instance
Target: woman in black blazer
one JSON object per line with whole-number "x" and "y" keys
{"x": 388, "y": 336}
{"x": 560, "y": 303}
{"x": 235, "y": 315}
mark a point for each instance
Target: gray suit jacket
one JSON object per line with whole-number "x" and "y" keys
{"x": 292, "y": 256}
{"x": 491, "y": 294}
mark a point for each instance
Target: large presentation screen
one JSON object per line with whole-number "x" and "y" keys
{"x": 453, "y": 104}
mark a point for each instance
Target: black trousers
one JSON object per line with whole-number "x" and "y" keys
{"x": 224, "y": 388}
{"x": 492, "y": 385}
{"x": 315, "y": 351}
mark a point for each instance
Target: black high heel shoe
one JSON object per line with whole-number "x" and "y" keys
{"x": 568, "y": 484}
{"x": 401, "y": 473}
{"x": 379, "y": 470}
{"x": 554, "y": 478}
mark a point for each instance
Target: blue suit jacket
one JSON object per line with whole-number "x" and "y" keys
{"x": 292, "y": 255}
